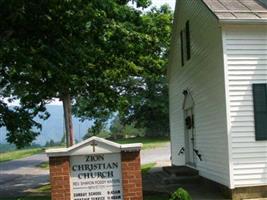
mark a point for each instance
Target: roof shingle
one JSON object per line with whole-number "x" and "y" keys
{"x": 237, "y": 9}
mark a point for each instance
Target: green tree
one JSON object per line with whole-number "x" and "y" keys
{"x": 50, "y": 143}
{"x": 147, "y": 93}
{"x": 74, "y": 50}
{"x": 118, "y": 129}
{"x": 131, "y": 131}
{"x": 98, "y": 129}
{"x": 63, "y": 139}
{"x": 143, "y": 99}
{"x": 19, "y": 123}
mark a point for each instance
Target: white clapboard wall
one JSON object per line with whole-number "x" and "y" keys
{"x": 245, "y": 50}
{"x": 203, "y": 75}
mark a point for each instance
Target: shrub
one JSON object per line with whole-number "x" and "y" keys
{"x": 180, "y": 194}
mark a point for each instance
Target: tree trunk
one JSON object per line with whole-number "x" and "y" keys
{"x": 68, "y": 119}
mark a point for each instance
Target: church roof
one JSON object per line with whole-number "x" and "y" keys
{"x": 238, "y": 9}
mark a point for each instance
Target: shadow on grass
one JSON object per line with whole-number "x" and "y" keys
{"x": 154, "y": 197}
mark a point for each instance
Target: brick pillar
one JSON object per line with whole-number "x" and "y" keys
{"x": 131, "y": 176}
{"x": 60, "y": 178}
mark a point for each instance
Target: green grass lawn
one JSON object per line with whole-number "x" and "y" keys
{"x": 145, "y": 168}
{"x": 148, "y": 143}
{"x": 12, "y": 155}
{"x": 42, "y": 189}
{"x": 44, "y": 165}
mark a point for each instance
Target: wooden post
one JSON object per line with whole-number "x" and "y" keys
{"x": 68, "y": 119}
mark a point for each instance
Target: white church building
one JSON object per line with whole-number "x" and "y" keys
{"x": 218, "y": 91}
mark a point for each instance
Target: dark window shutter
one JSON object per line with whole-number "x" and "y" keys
{"x": 188, "y": 42}
{"x": 260, "y": 110}
{"x": 182, "y": 47}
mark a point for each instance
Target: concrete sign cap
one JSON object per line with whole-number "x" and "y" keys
{"x": 94, "y": 145}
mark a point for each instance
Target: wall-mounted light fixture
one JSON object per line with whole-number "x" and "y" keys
{"x": 185, "y": 92}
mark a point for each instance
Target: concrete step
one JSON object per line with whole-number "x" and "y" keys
{"x": 181, "y": 180}
{"x": 180, "y": 171}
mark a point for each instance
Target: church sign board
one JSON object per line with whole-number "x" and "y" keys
{"x": 96, "y": 169}
{"x": 96, "y": 177}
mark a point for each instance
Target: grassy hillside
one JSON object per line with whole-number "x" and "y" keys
{"x": 13, "y": 155}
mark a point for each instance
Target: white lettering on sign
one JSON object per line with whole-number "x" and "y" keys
{"x": 96, "y": 177}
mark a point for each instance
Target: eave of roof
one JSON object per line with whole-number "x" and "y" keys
{"x": 242, "y": 21}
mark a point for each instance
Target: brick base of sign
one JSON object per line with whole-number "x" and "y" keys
{"x": 131, "y": 176}
{"x": 60, "y": 178}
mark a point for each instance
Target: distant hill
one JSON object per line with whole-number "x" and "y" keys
{"x": 7, "y": 147}
{"x": 53, "y": 128}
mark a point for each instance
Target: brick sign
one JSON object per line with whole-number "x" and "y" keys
{"x": 96, "y": 169}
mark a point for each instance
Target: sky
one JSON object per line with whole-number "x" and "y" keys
{"x": 160, "y": 2}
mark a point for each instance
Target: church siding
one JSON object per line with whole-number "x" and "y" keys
{"x": 246, "y": 64}
{"x": 203, "y": 75}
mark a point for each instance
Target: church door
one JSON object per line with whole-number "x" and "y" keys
{"x": 189, "y": 137}
{"x": 189, "y": 127}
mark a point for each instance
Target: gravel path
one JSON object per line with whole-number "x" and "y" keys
{"x": 20, "y": 176}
